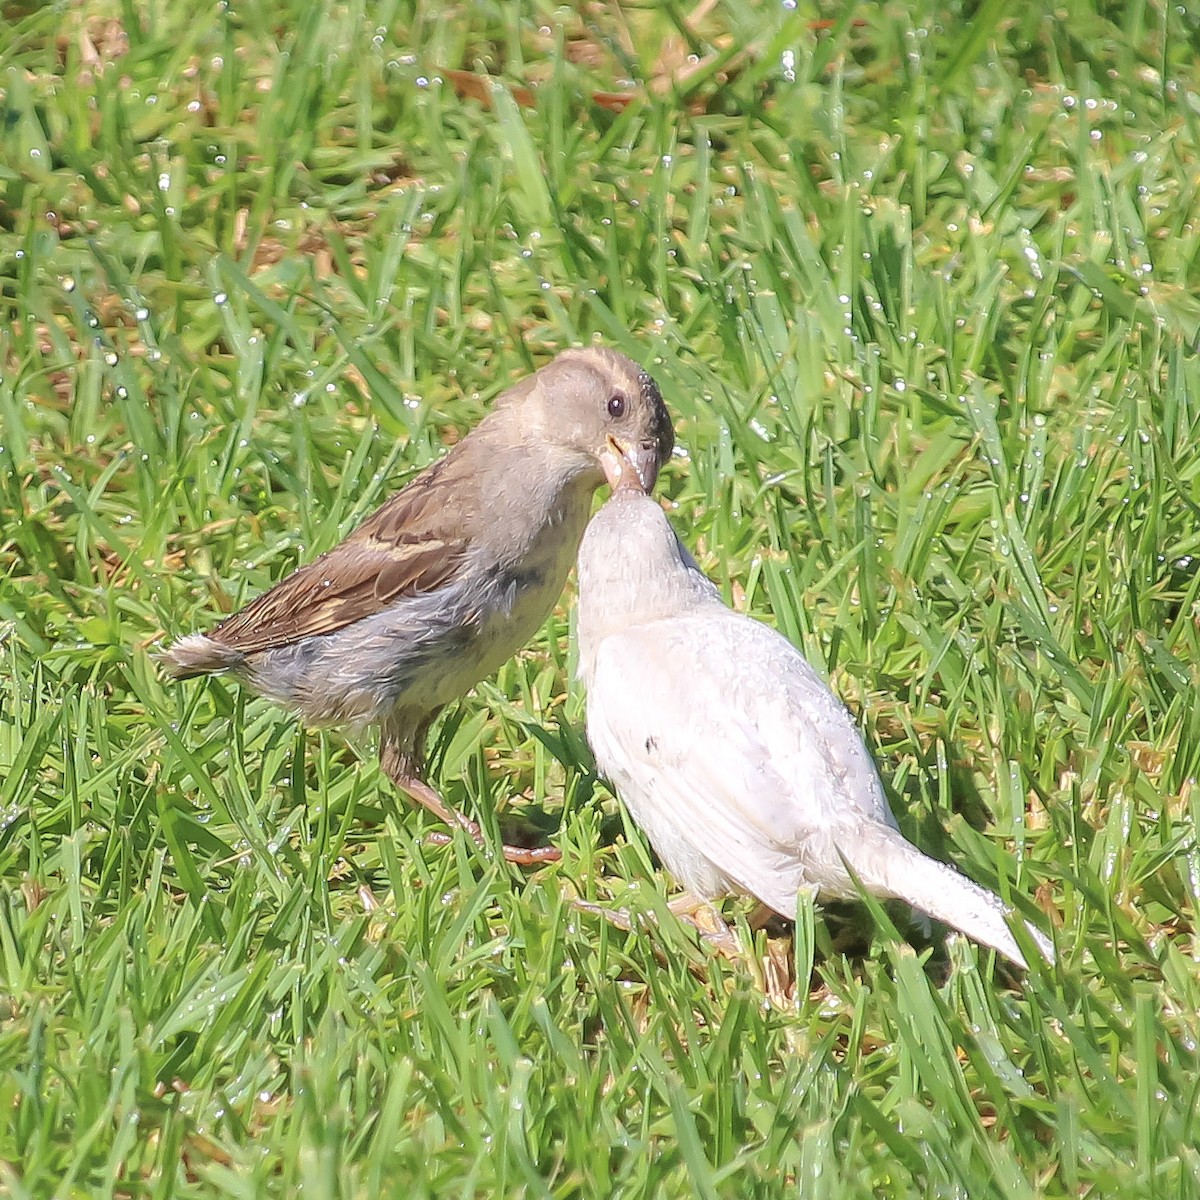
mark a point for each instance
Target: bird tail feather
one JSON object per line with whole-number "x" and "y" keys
{"x": 887, "y": 864}
{"x": 198, "y": 654}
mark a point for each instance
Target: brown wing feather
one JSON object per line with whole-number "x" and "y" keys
{"x": 412, "y": 544}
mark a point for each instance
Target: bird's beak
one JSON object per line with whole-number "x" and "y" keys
{"x": 627, "y": 466}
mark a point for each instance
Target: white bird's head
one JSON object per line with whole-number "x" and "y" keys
{"x": 633, "y": 570}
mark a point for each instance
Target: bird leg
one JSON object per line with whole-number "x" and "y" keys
{"x": 689, "y": 908}
{"x": 760, "y": 916}
{"x": 402, "y": 766}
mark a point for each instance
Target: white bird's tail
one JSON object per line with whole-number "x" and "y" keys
{"x": 889, "y": 865}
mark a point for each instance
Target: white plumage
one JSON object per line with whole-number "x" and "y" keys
{"x": 744, "y": 770}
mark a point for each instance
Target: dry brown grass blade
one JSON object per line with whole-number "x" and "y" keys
{"x": 470, "y": 86}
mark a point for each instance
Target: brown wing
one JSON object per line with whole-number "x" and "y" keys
{"x": 412, "y": 544}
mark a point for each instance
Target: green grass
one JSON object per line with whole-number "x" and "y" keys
{"x": 919, "y": 284}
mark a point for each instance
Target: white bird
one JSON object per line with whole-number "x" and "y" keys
{"x": 744, "y": 770}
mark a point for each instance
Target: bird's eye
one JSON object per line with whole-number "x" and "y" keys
{"x": 616, "y": 405}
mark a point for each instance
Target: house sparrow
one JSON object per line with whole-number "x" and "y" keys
{"x": 451, "y": 576}
{"x": 742, "y": 767}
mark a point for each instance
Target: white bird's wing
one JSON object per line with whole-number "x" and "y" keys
{"x": 724, "y": 742}
{"x": 748, "y": 774}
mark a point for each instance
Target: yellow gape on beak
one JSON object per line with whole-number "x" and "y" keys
{"x": 628, "y": 466}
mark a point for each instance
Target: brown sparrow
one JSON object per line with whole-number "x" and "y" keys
{"x": 451, "y": 576}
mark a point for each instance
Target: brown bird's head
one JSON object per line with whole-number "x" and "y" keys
{"x": 605, "y": 409}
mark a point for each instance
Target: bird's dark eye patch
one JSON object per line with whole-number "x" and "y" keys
{"x": 616, "y": 405}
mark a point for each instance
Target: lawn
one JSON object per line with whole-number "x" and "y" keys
{"x": 919, "y": 284}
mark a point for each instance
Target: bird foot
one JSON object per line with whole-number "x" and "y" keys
{"x": 712, "y": 927}
{"x": 701, "y": 915}
{"x": 614, "y": 916}
{"x": 423, "y": 794}
{"x": 774, "y": 973}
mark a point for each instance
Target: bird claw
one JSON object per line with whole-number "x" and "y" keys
{"x": 699, "y": 914}
{"x": 524, "y": 856}
{"x": 531, "y": 856}
{"x": 614, "y": 916}
{"x": 722, "y": 940}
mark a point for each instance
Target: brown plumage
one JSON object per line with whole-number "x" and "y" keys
{"x": 410, "y": 545}
{"x": 452, "y": 574}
